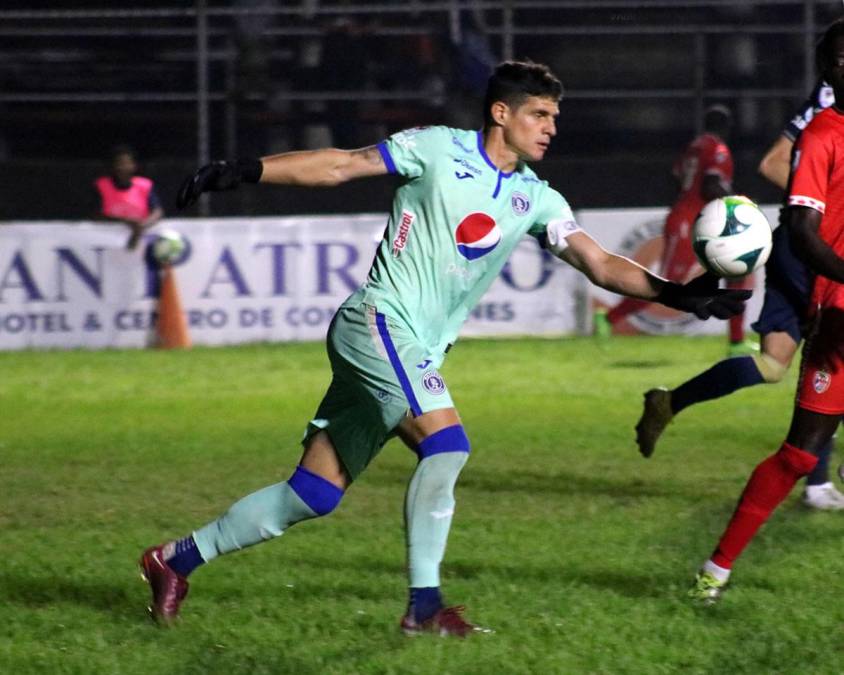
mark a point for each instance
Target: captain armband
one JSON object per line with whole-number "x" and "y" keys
{"x": 556, "y": 233}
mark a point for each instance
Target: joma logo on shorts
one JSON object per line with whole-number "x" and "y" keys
{"x": 400, "y": 241}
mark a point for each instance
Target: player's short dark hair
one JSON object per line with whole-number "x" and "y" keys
{"x": 824, "y": 46}
{"x": 122, "y": 149}
{"x": 512, "y": 82}
{"x": 717, "y": 118}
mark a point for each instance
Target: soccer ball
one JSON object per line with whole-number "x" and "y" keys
{"x": 168, "y": 247}
{"x": 731, "y": 237}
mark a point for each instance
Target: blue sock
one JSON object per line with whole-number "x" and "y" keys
{"x": 723, "y": 378}
{"x": 820, "y": 474}
{"x": 425, "y": 602}
{"x": 186, "y": 557}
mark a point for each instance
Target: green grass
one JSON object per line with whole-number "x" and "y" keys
{"x": 566, "y": 542}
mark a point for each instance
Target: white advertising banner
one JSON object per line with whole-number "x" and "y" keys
{"x": 68, "y": 284}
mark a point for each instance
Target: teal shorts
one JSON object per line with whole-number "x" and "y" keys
{"x": 381, "y": 373}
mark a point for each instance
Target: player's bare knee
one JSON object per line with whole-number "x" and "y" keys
{"x": 414, "y": 430}
{"x": 321, "y": 458}
{"x": 320, "y": 495}
{"x": 772, "y": 371}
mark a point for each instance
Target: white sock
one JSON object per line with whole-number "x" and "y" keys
{"x": 720, "y": 573}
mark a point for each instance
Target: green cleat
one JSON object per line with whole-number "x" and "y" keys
{"x": 706, "y": 589}
{"x": 742, "y": 348}
{"x": 601, "y": 328}
{"x": 655, "y": 417}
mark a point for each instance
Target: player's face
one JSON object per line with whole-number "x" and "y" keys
{"x": 528, "y": 129}
{"x": 124, "y": 167}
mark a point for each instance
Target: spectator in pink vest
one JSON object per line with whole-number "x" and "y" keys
{"x": 127, "y": 198}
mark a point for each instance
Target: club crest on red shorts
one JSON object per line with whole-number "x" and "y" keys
{"x": 821, "y": 381}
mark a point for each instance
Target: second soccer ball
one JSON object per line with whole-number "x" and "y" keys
{"x": 168, "y": 247}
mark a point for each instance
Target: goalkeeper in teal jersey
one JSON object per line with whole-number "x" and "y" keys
{"x": 466, "y": 199}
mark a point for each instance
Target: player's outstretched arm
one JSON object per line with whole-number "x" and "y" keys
{"x": 311, "y": 168}
{"x": 808, "y": 245}
{"x": 776, "y": 164}
{"x": 322, "y": 167}
{"x": 618, "y": 274}
{"x": 608, "y": 270}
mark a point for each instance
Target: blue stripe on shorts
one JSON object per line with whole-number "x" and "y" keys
{"x": 381, "y": 323}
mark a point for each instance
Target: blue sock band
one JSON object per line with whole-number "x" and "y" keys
{"x": 186, "y": 558}
{"x": 723, "y": 378}
{"x": 320, "y": 495}
{"x": 450, "y": 439}
{"x": 425, "y": 602}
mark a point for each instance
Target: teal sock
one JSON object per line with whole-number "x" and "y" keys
{"x": 429, "y": 507}
{"x": 262, "y": 515}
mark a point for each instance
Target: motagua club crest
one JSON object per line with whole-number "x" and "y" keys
{"x": 433, "y": 383}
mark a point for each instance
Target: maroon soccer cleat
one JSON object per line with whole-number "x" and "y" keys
{"x": 446, "y": 622}
{"x": 168, "y": 588}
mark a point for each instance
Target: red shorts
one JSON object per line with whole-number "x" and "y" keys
{"x": 821, "y": 385}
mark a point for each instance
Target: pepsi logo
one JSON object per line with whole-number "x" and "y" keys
{"x": 476, "y": 235}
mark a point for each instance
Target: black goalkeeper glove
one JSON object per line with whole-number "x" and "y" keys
{"x": 702, "y": 297}
{"x": 216, "y": 177}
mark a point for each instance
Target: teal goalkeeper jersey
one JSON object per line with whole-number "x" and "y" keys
{"x": 454, "y": 222}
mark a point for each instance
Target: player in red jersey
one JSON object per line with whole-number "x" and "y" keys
{"x": 815, "y": 218}
{"x": 704, "y": 172}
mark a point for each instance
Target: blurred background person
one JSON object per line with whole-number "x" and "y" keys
{"x": 703, "y": 172}
{"x": 126, "y": 197}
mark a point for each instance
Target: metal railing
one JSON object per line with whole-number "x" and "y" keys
{"x": 199, "y": 44}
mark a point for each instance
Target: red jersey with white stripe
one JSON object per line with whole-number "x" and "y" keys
{"x": 706, "y": 155}
{"x": 818, "y": 182}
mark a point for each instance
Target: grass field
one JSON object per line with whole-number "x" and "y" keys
{"x": 574, "y": 549}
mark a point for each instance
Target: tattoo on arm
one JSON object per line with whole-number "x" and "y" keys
{"x": 370, "y": 154}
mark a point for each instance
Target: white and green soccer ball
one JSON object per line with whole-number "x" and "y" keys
{"x": 168, "y": 247}
{"x": 731, "y": 236}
